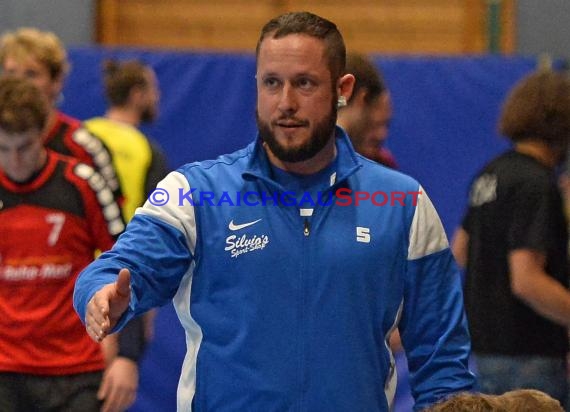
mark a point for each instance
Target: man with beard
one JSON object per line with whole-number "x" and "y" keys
{"x": 289, "y": 306}
{"x": 132, "y": 91}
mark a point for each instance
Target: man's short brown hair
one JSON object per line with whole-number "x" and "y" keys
{"x": 22, "y": 106}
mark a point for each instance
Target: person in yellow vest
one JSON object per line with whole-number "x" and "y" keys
{"x": 133, "y": 95}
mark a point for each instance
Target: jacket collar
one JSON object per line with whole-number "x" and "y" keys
{"x": 348, "y": 161}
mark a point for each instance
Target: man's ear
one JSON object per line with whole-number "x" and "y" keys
{"x": 345, "y": 85}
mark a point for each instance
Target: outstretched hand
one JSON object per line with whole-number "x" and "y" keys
{"x": 107, "y": 306}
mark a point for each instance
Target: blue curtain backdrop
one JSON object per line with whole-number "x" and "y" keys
{"x": 443, "y": 131}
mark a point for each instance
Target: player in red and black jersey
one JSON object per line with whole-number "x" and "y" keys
{"x": 51, "y": 225}
{"x": 55, "y": 213}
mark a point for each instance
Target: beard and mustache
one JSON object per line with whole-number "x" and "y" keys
{"x": 322, "y": 133}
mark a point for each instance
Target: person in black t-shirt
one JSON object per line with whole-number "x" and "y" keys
{"x": 513, "y": 244}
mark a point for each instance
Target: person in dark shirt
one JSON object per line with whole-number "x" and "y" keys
{"x": 513, "y": 244}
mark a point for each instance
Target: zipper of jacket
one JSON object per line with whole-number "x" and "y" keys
{"x": 306, "y": 215}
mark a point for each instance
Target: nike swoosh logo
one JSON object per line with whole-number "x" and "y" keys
{"x": 233, "y": 226}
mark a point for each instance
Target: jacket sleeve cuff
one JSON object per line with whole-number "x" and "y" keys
{"x": 132, "y": 340}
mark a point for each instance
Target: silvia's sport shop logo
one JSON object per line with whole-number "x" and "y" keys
{"x": 238, "y": 245}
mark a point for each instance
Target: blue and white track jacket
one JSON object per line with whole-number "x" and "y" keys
{"x": 287, "y": 309}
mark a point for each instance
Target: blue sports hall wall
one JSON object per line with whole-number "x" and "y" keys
{"x": 443, "y": 130}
